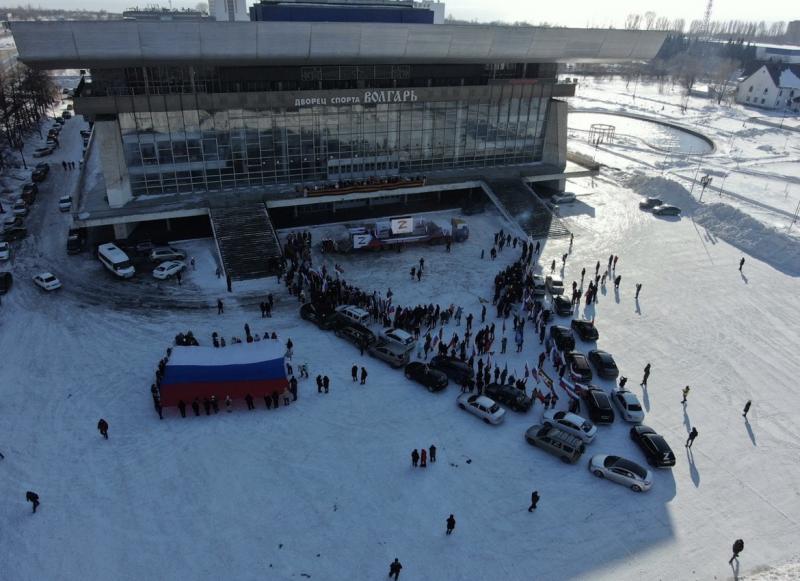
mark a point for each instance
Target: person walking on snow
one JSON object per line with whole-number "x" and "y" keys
{"x": 741, "y": 264}
{"x": 685, "y": 394}
{"x": 691, "y": 438}
{"x": 451, "y": 524}
{"x": 33, "y": 498}
{"x": 423, "y": 458}
{"x": 534, "y": 500}
{"x": 220, "y": 307}
{"x": 228, "y": 404}
{"x": 182, "y": 408}
{"x": 617, "y": 279}
{"x": 102, "y": 426}
{"x": 646, "y": 375}
{"x": 638, "y": 289}
{"x": 746, "y": 409}
{"x": 354, "y": 373}
{"x": 326, "y": 383}
{"x": 738, "y": 547}
{"x": 394, "y": 569}
{"x": 363, "y": 376}
{"x": 432, "y": 454}
{"x": 414, "y": 458}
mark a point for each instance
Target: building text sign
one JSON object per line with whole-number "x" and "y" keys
{"x": 379, "y": 96}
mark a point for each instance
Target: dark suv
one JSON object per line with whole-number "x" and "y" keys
{"x": 599, "y": 406}
{"x": 453, "y": 368}
{"x": 655, "y": 447}
{"x": 324, "y": 321}
{"x": 509, "y": 396}
{"x": 578, "y": 366}
{"x": 356, "y": 334}
{"x": 562, "y": 337}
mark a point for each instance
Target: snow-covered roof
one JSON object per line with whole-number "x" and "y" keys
{"x": 783, "y": 75}
{"x": 790, "y": 78}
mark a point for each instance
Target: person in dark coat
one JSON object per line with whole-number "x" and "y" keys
{"x": 326, "y": 383}
{"x": 354, "y": 373}
{"x": 432, "y": 453}
{"x": 534, "y": 500}
{"x": 275, "y": 400}
{"x": 268, "y": 401}
{"x": 363, "y": 376}
{"x": 617, "y": 279}
{"x": 293, "y": 387}
{"x": 394, "y": 569}
{"x": 414, "y": 458}
{"x": 738, "y": 545}
{"x": 159, "y": 409}
{"x": 102, "y": 425}
{"x": 741, "y": 264}
{"x": 196, "y": 407}
{"x": 182, "y": 408}
{"x": 220, "y": 307}
{"x": 215, "y": 404}
{"x": 646, "y": 375}
{"x": 746, "y": 408}
{"x": 451, "y": 524}
{"x": 319, "y": 383}
{"x": 33, "y": 498}
{"x": 249, "y": 400}
{"x": 691, "y": 438}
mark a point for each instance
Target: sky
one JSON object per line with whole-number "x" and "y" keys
{"x": 575, "y": 13}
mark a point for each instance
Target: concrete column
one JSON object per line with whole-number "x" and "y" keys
{"x": 555, "y": 134}
{"x": 122, "y": 231}
{"x": 112, "y": 159}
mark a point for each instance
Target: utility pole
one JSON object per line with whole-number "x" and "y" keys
{"x": 697, "y": 171}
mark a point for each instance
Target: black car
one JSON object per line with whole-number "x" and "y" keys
{"x": 585, "y": 330}
{"x": 11, "y": 234}
{"x": 5, "y": 282}
{"x": 655, "y": 447}
{"x": 604, "y": 364}
{"x": 562, "y": 337}
{"x": 454, "y": 368}
{"x": 356, "y": 334}
{"x": 508, "y": 395}
{"x": 324, "y": 321}
{"x": 40, "y": 172}
{"x": 562, "y": 305}
{"x": 30, "y": 188}
{"x": 598, "y": 404}
{"x": 433, "y": 379}
{"x": 579, "y": 366}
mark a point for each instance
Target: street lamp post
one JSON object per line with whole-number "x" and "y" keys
{"x": 705, "y": 181}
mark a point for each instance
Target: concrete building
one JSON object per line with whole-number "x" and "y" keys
{"x": 294, "y": 120}
{"x": 771, "y": 86}
{"x": 793, "y": 32}
{"x": 228, "y": 10}
{"x": 396, "y": 11}
{"x": 778, "y": 53}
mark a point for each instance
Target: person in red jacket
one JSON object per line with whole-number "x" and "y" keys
{"x": 423, "y": 458}
{"x": 102, "y": 425}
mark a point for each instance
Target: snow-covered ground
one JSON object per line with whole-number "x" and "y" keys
{"x": 324, "y": 489}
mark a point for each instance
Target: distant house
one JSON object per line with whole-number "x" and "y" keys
{"x": 771, "y": 86}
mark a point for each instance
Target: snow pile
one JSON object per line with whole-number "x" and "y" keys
{"x": 669, "y": 191}
{"x": 783, "y": 573}
{"x": 778, "y": 249}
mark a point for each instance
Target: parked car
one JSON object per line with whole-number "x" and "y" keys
{"x": 40, "y": 172}
{"x": 571, "y": 423}
{"x": 455, "y": 369}
{"x": 621, "y": 471}
{"x": 562, "y": 305}
{"x": 76, "y": 240}
{"x": 5, "y": 251}
{"x": 432, "y": 379}
{"x": 586, "y": 330}
{"x": 66, "y": 114}
{"x": 65, "y": 203}
{"x": 667, "y": 210}
{"x": 400, "y": 338}
{"x": 598, "y": 404}
{"x": 162, "y": 253}
{"x": 604, "y": 364}
{"x": 168, "y": 269}
{"x": 578, "y": 366}
{"x": 554, "y": 284}
{"x": 47, "y": 281}
{"x": 628, "y": 404}
{"x": 389, "y": 352}
{"x": 562, "y": 337}
{"x": 30, "y": 188}
{"x": 11, "y": 234}
{"x": 6, "y": 279}
{"x": 650, "y": 203}
{"x": 563, "y": 198}
{"x": 86, "y": 132}
{"x": 324, "y": 321}
{"x": 356, "y": 334}
{"x": 539, "y": 286}
{"x": 353, "y": 314}
{"x": 13, "y": 221}
{"x": 655, "y": 447}
{"x": 483, "y": 407}
{"x": 44, "y": 151}
{"x": 509, "y": 396}
{"x": 551, "y": 439}
{"x": 20, "y": 208}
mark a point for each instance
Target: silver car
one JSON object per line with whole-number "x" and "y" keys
{"x": 621, "y": 471}
{"x": 628, "y": 405}
{"x": 571, "y": 424}
{"x": 164, "y": 253}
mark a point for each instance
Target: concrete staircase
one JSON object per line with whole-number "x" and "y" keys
{"x": 248, "y": 245}
{"x": 526, "y": 208}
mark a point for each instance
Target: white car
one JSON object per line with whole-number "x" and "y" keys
{"x": 628, "y": 405}
{"x": 5, "y": 251}
{"x": 483, "y": 407}
{"x": 47, "y": 281}
{"x": 20, "y": 208}
{"x": 65, "y": 203}
{"x": 162, "y": 253}
{"x": 400, "y": 338}
{"x": 621, "y": 471}
{"x": 563, "y": 198}
{"x": 168, "y": 269}
{"x": 571, "y": 424}
{"x": 554, "y": 284}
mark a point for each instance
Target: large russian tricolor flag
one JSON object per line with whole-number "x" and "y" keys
{"x": 236, "y": 370}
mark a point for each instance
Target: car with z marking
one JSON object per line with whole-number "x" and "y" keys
{"x": 654, "y": 446}
{"x": 483, "y": 407}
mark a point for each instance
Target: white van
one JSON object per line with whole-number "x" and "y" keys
{"x": 115, "y": 260}
{"x": 354, "y": 314}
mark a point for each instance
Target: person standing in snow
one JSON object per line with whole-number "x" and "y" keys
{"x": 354, "y": 373}
{"x": 228, "y": 404}
{"x": 33, "y": 498}
{"x": 414, "y": 458}
{"x": 646, "y": 375}
{"x": 319, "y": 382}
{"x": 685, "y": 394}
{"x": 553, "y": 266}
{"x": 249, "y": 400}
{"x": 326, "y": 383}
{"x": 451, "y": 524}
{"x": 638, "y": 289}
{"x": 394, "y": 569}
{"x": 182, "y": 408}
{"x": 423, "y": 458}
{"x": 432, "y": 454}
{"x": 196, "y": 407}
{"x": 691, "y": 438}
{"x": 220, "y": 307}
{"x": 617, "y": 280}
{"x": 534, "y": 500}
{"x": 102, "y": 426}
{"x": 741, "y": 264}
{"x": 363, "y": 376}
{"x": 738, "y": 547}
{"x": 746, "y": 409}
{"x": 214, "y": 404}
